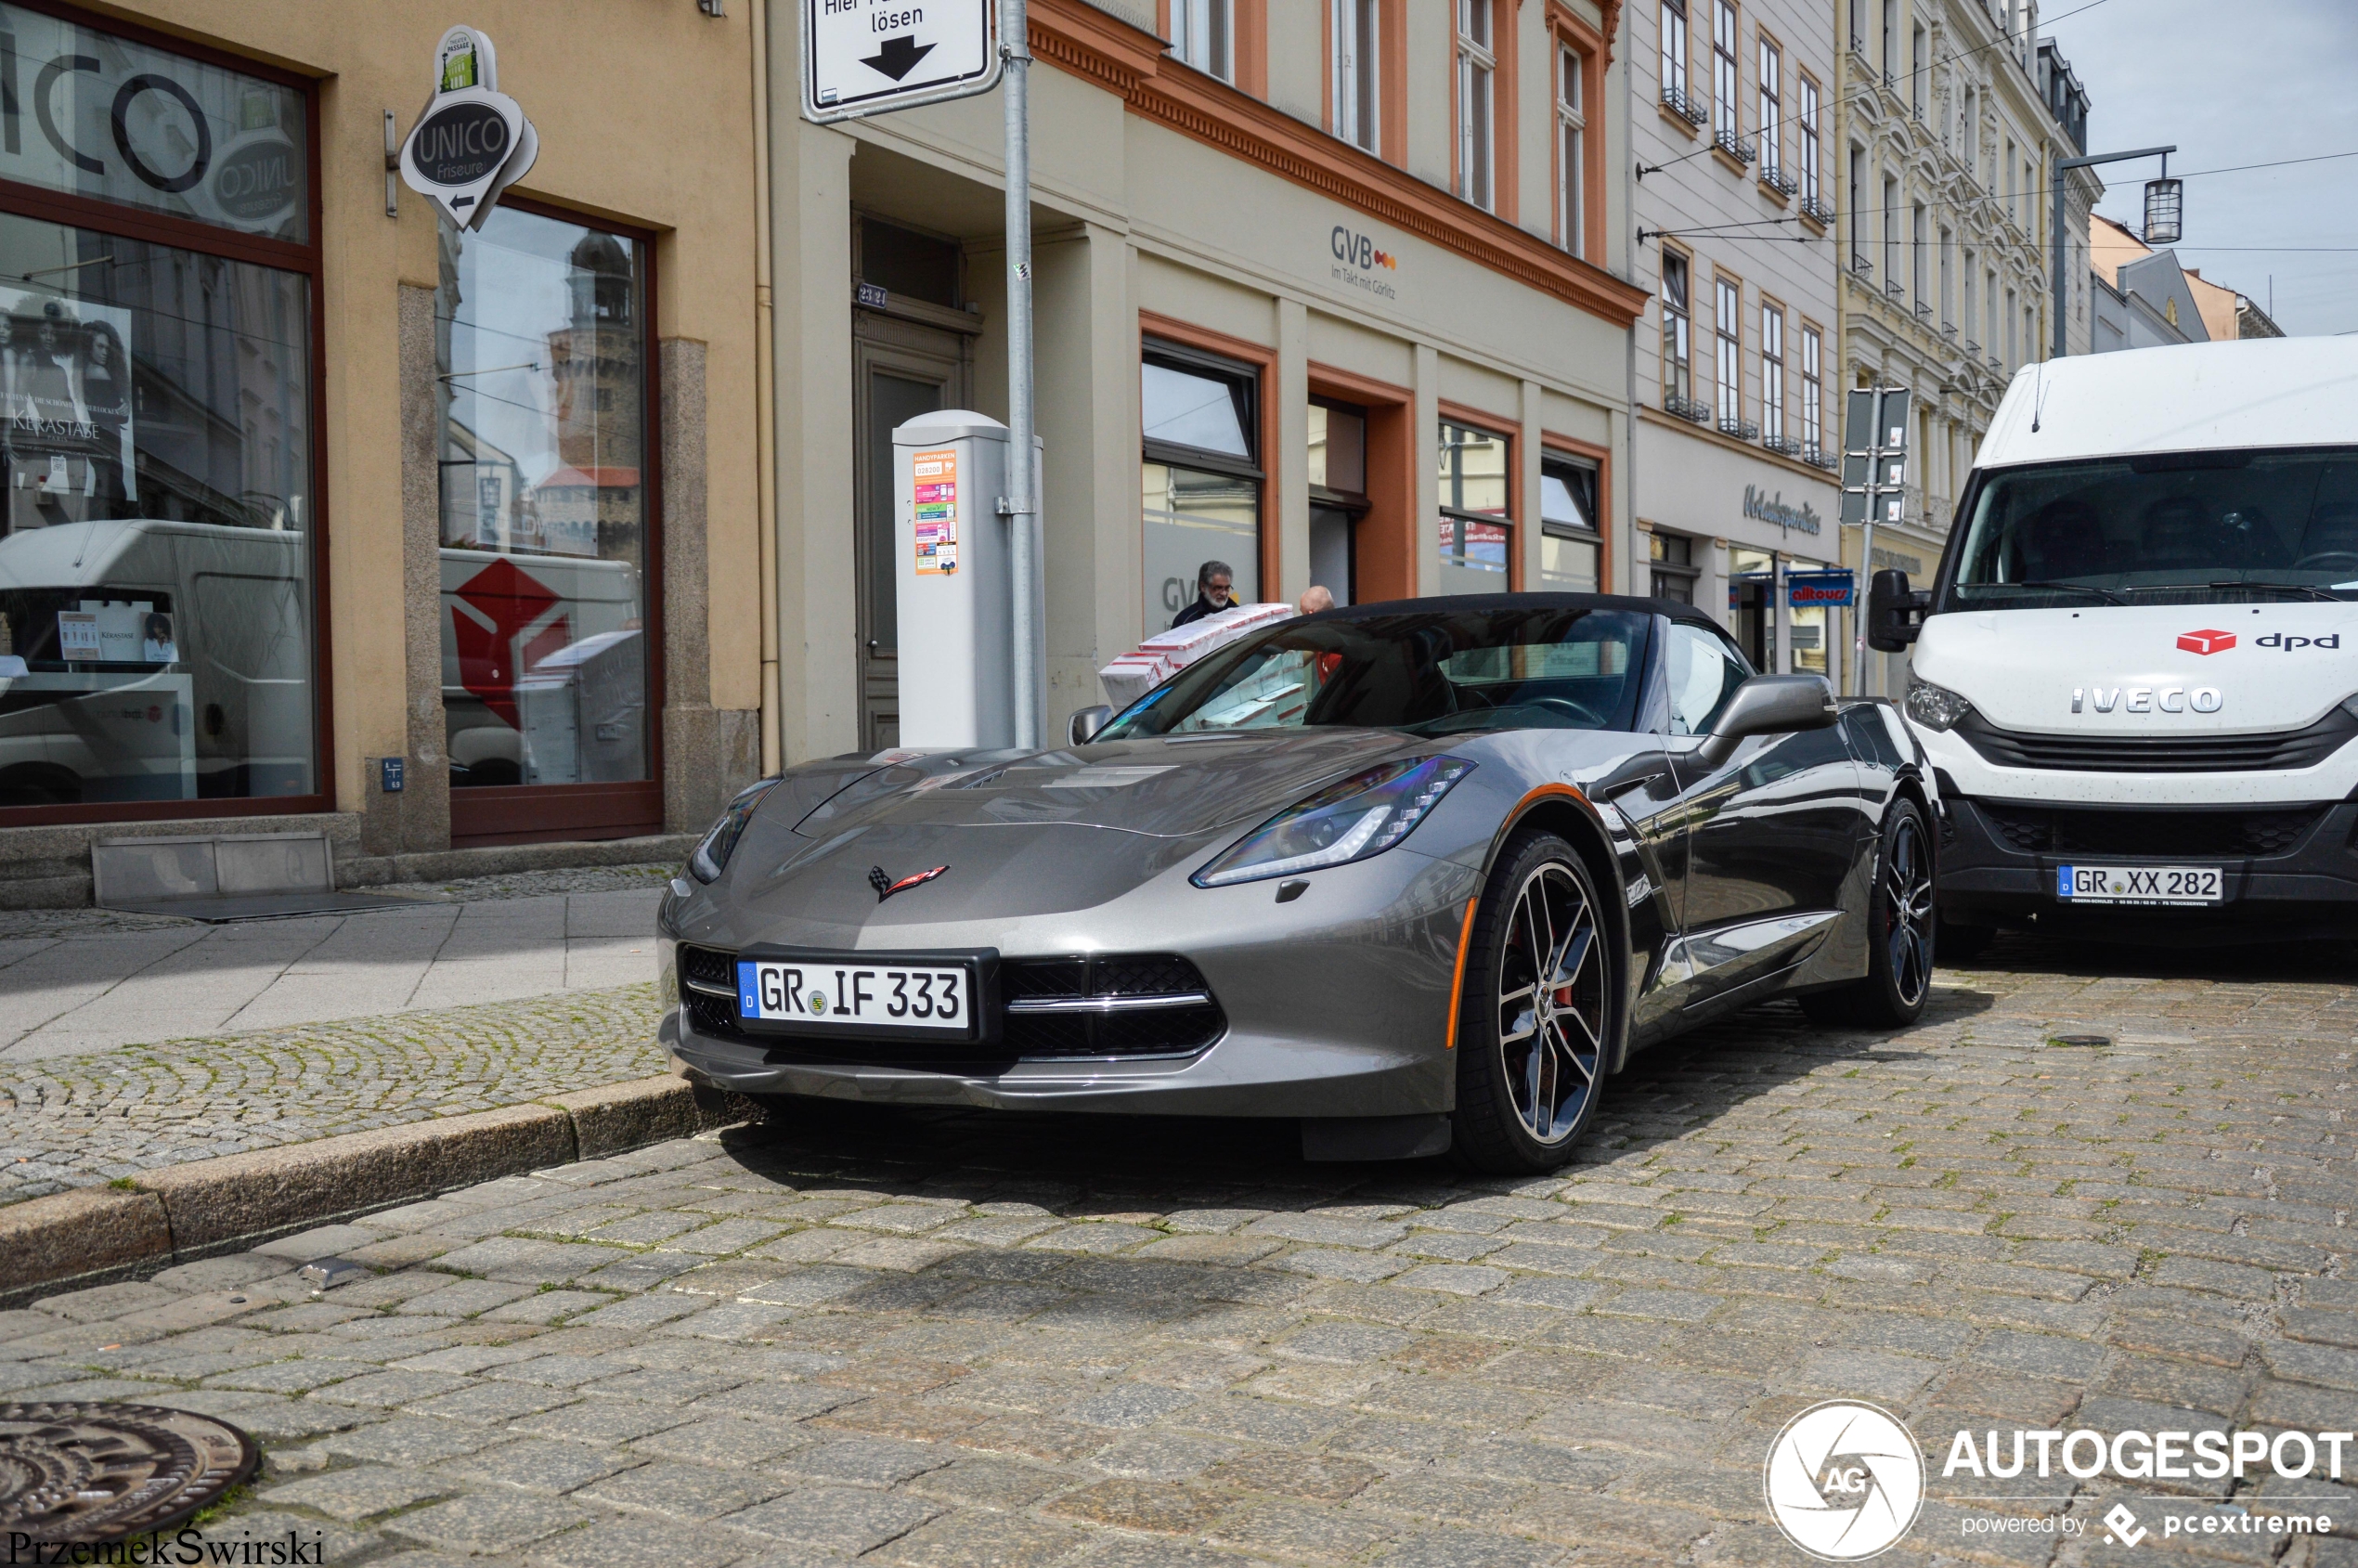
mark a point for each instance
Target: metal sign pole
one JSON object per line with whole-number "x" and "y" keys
{"x": 1020, "y": 504}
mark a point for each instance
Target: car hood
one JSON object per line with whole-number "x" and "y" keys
{"x": 2273, "y": 667}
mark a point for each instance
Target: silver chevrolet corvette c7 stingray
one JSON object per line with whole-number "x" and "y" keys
{"x": 1417, "y": 873}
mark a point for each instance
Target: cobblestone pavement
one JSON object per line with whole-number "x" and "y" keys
{"x": 74, "y": 981}
{"x": 81, "y": 1121}
{"x": 943, "y": 1340}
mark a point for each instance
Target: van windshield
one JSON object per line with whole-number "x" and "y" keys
{"x": 2178, "y": 528}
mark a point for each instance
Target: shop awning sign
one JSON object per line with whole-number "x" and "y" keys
{"x": 871, "y": 57}
{"x": 472, "y": 141}
{"x": 1813, "y": 590}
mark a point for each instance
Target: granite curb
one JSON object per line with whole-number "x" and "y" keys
{"x": 204, "y": 1207}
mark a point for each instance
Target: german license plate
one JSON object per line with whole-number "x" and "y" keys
{"x": 854, "y": 998}
{"x": 2138, "y": 884}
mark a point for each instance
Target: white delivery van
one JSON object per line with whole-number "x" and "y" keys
{"x": 154, "y": 660}
{"x": 2136, "y": 669}
{"x": 543, "y": 669}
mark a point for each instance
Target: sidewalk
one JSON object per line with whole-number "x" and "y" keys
{"x": 129, "y": 1042}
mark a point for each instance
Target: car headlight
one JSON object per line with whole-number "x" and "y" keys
{"x": 1363, "y": 815}
{"x": 1935, "y": 707}
{"x": 712, "y": 854}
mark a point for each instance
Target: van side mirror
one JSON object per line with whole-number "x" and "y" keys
{"x": 1087, "y": 723}
{"x": 1771, "y": 705}
{"x": 1894, "y": 615}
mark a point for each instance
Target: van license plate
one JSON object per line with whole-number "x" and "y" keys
{"x": 2193, "y": 885}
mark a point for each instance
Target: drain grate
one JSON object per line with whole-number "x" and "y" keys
{"x": 72, "y": 1471}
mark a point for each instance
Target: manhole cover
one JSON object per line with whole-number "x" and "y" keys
{"x": 75, "y": 1472}
{"x": 2080, "y": 1040}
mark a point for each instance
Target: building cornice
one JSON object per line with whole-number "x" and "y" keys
{"x": 1648, "y": 414}
{"x": 1131, "y": 63}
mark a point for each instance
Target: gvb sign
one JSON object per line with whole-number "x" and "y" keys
{"x": 472, "y": 141}
{"x": 871, "y": 57}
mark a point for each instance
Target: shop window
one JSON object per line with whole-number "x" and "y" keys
{"x": 1202, "y": 35}
{"x": 1477, "y": 525}
{"x": 1357, "y": 71}
{"x": 1671, "y": 564}
{"x": 1570, "y": 544}
{"x": 158, "y": 521}
{"x": 910, "y": 265}
{"x": 542, "y": 403}
{"x": 1477, "y": 73}
{"x": 1201, "y": 475}
{"x": 1339, "y": 499}
{"x": 1572, "y": 151}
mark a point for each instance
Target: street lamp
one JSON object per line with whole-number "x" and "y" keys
{"x": 2162, "y": 203}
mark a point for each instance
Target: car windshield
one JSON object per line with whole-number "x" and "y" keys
{"x": 2180, "y": 528}
{"x": 1429, "y": 672}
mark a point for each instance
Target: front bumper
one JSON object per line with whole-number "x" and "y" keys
{"x": 1346, "y": 1015}
{"x": 2287, "y": 868}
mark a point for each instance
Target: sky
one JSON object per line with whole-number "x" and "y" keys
{"x": 2246, "y": 82}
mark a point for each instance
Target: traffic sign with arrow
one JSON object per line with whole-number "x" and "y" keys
{"x": 871, "y": 57}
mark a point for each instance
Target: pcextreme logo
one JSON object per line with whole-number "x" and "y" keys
{"x": 1845, "y": 1480}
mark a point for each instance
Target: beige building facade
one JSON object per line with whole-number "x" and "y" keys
{"x": 305, "y": 482}
{"x": 1952, "y": 112}
{"x": 1330, "y": 293}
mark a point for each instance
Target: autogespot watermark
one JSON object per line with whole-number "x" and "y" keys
{"x": 1845, "y": 1480}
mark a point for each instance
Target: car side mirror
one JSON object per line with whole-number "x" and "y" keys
{"x": 1087, "y": 723}
{"x": 1894, "y": 615}
{"x": 1769, "y": 704}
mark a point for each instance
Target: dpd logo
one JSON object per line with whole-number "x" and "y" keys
{"x": 1844, "y": 1481}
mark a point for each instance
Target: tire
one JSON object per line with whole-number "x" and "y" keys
{"x": 1901, "y": 933}
{"x": 1521, "y": 1108}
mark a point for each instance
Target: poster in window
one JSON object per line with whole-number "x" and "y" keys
{"x": 65, "y": 410}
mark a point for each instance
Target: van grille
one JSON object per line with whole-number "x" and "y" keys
{"x": 2166, "y": 834}
{"x": 2280, "y": 751}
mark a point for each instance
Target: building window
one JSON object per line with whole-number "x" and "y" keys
{"x": 541, "y": 338}
{"x": 1357, "y": 74}
{"x": 1571, "y": 543}
{"x": 159, "y": 525}
{"x": 1772, "y": 110}
{"x": 1477, "y": 528}
{"x": 1201, "y": 34}
{"x": 1890, "y": 37}
{"x": 2014, "y": 353}
{"x": 1674, "y": 48}
{"x": 1947, "y": 282}
{"x": 1916, "y": 72}
{"x": 1677, "y": 361}
{"x": 1729, "y": 332}
{"x": 1572, "y": 151}
{"x": 1477, "y": 69}
{"x": 1201, "y": 474}
{"x": 1890, "y": 230}
{"x": 1772, "y": 376}
{"x": 1671, "y": 560}
{"x": 1725, "y": 83}
{"x": 2011, "y": 211}
{"x": 1858, "y": 158}
{"x": 1917, "y": 260}
{"x": 1339, "y": 498}
{"x": 1813, "y": 393}
{"x": 1808, "y": 127}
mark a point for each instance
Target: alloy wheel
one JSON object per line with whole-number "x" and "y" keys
{"x": 1551, "y": 1003}
{"x": 1908, "y": 917}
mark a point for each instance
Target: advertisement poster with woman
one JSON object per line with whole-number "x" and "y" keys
{"x": 65, "y": 410}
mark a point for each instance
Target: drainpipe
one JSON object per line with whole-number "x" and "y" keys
{"x": 764, "y": 392}
{"x": 1632, "y": 582}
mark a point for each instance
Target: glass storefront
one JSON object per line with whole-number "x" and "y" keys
{"x": 1477, "y": 531}
{"x": 1200, "y": 489}
{"x": 157, "y": 453}
{"x": 539, "y": 339}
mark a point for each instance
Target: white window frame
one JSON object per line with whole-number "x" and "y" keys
{"x": 1673, "y": 47}
{"x": 1358, "y": 74}
{"x": 1772, "y": 107}
{"x": 1810, "y": 190}
{"x": 1727, "y": 327}
{"x": 1772, "y": 372}
{"x": 1727, "y": 72}
{"x": 1572, "y": 150}
{"x": 1813, "y": 390}
{"x": 1477, "y": 101}
{"x": 1678, "y": 318}
{"x": 1203, "y": 34}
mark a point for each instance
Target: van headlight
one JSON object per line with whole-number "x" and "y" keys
{"x": 1363, "y": 815}
{"x": 711, "y": 855}
{"x": 1935, "y": 707}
